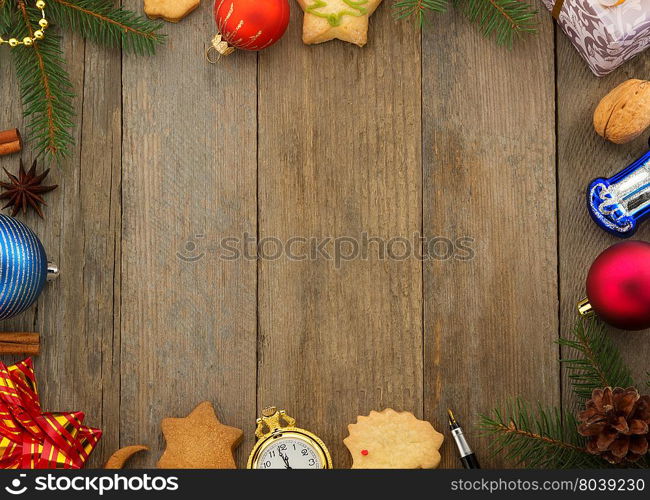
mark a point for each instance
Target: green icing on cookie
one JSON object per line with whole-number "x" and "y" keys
{"x": 334, "y": 18}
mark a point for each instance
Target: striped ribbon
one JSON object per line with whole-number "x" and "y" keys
{"x": 31, "y": 438}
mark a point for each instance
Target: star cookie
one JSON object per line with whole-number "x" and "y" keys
{"x": 169, "y": 10}
{"x": 393, "y": 440}
{"x": 199, "y": 441}
{"x": 346, "y": 20}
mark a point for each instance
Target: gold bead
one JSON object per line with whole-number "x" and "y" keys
{"x": 40, "y": 4}
{"x": 38, "y": 35}
{"x": 43, "y": 23}
{"x": 13, "y": 42}
{"x": 28, "y": 41}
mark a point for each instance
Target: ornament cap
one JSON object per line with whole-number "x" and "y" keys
{"x": 218, "y": 48}
{"x": 585, "y": 308}
{"x": 52, "y": 271}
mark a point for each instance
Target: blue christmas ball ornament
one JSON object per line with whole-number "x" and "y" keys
{"x": 24, "y": 268}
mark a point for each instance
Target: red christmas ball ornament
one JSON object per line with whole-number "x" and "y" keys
{"x": 248, "y": 24}
{"x": 618, "y": 286}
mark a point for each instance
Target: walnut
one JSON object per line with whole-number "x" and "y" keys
{"x": 624, "y": 113}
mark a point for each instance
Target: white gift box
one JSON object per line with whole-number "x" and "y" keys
{"x": 606, "y": 37}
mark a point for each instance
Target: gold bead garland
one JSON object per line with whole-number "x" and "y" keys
{"x": 39, "y": 34}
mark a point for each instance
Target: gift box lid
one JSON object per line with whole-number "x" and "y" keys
{"x": 606, "y": 37}
{"x": 627, "y": 20}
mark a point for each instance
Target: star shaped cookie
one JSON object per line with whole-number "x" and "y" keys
{"x": 199, "y": 441}
{"x": 169, "y": 10}
{"x": 346, "y": 20}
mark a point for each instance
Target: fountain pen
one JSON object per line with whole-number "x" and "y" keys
{"x": 467, "y": 456}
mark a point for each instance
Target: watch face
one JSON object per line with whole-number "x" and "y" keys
{"x": 289, "y": 453}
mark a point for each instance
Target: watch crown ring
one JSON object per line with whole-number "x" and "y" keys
{"x": 269, "y": 411}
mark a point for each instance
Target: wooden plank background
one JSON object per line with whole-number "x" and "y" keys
{"x": 483, "y": 152}
{"x": 489, "y": 170}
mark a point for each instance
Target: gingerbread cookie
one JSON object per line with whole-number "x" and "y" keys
{"x": 199, "y": 441}
{"x": 169, "y": 10}
{"x": 346, "y": 20}
{"x": 393, "y": 440}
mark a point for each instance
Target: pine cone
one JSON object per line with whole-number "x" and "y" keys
{"x": 616, "y": 422}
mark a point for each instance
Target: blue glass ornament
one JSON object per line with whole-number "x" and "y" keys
{"x": 619, "y": 203}
{"x": 23, "y": 267}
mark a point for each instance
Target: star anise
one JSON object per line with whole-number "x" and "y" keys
{"x": 25, "y": 190}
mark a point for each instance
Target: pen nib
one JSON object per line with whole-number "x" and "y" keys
{"x": 452, "y": 419}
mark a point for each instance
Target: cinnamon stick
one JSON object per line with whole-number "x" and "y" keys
{"x": 20, "y": 343}
{"x": 10, "y": 142}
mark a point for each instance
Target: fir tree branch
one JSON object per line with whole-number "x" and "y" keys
{"x": 599, "y": 363}
{"x": 105, "y": 24}
{"x": 46, "y": 90}
{"x": 503, "y": 19}
{"x": 418, "y": 9}
{"x": 541, "y": 439}
{"x": 45, "y": 87}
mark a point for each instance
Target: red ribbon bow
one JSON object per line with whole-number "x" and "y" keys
{"x": 32, "y": 439}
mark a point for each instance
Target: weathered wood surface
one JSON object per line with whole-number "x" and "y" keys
{"x": 445, "y": 135}
{"x": 188, "y": 176}
{"x": 339, "y": 155}
{"x": 489, "y": 172}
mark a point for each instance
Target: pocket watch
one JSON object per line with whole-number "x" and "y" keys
{"x": 281, "y": 445}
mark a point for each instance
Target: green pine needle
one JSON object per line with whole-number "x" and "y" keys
{"x": 540, "y": 439}
{"x": 599, "y": 363}
{"x": 503, "y": 19}
{"x": 8, "y": 16}
{"x": 45, "y": 88}
{"x": 418, "y": 8}
{"x": 102, "y": 23}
